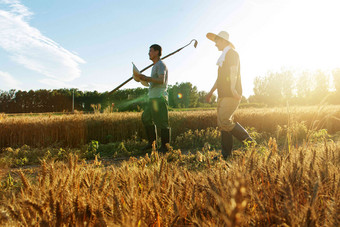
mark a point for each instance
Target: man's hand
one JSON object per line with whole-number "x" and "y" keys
{"x": 142, "y": 77}
{"x": 208, "y": 97}
{"x": 236, "y": 95}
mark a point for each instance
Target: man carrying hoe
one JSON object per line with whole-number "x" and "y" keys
{"x": 229, "y": 89}
{"x": 156, "y": 111}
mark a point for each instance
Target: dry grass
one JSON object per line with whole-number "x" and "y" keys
{"x": 76, "y": 130}
{"x": 261, "y": 187}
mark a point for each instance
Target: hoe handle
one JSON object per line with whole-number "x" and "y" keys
{"x": 125, "y": 82}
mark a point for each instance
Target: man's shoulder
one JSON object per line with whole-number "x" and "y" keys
{"x": 232, "y": 52}
{"x": 232, "y": 55}
{"x": 161, "y": 63}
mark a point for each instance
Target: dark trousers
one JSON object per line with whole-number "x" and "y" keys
{"x": 156, "y": 113}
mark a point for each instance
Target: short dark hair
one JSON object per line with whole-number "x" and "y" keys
{"x": 157, "y": 47}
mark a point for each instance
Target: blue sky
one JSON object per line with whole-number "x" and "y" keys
{"x": 90, "y": 45}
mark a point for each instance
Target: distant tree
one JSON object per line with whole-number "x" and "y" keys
{"x": 252, "y": 99}
{"x": 21, "y": 101}
{"x": 336, "y": 79}
{"x": 321, "y": 89}
{"x": 304, "y": 88}
{"x": 244, "y": 99}
{"x": 201, "y": 96}
{"x": 183, "y": 95}
{"x": 288, "y": 84}
{"x": 193, "y": 100}
{"x": 9, "y": 100}
{"x": 260, "y": 87}
{"x": 127, "y": 99}
{"x": 274, "y": 88}
{"x": 175, "y": 95}
{"x": 267, "y": 89}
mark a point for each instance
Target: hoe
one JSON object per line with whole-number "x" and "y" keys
{"x": 125, "y": 82}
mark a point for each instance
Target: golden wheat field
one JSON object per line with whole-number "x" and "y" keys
{"x": 78, "y": 129}
{"x": 267, "y": 188}
{"x": 291, "y": 178}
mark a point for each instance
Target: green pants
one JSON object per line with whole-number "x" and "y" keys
{"x": 156, "y": 113}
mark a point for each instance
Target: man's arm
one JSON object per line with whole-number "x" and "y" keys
{"x": 208, "y": 96}
{"x": 159, "y": 80}
{"x": 233, "y": 79}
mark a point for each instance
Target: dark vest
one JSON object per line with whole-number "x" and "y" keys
{"x": 223, "y": 78}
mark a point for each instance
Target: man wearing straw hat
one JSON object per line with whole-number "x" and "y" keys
{"x": 156, "y": 111}
{"x": 229, "y": 89}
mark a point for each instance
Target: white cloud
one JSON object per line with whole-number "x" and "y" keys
{"x": 8, "y": 81}
{"x": 17, "y": 9}
{"x": 27, "y": 46}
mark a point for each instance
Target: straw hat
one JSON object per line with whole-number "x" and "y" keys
{"x": 223, "y": 35}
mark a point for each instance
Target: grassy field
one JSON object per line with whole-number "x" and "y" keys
{"x": 290, "y": 178}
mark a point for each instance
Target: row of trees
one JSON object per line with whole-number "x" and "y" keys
{"x": 183, "y": 95}
{"x": 272, "y": 89}
{"x": 305, "y": 88}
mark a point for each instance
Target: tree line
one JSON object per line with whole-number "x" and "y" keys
{"x": 303, "y": 88}
{"x": 183, "y": 95}
{"x": 271, "y": 89}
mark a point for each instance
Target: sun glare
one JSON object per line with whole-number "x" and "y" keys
{"x": 302, "y": 34}
{"x": 294, "y": 34}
